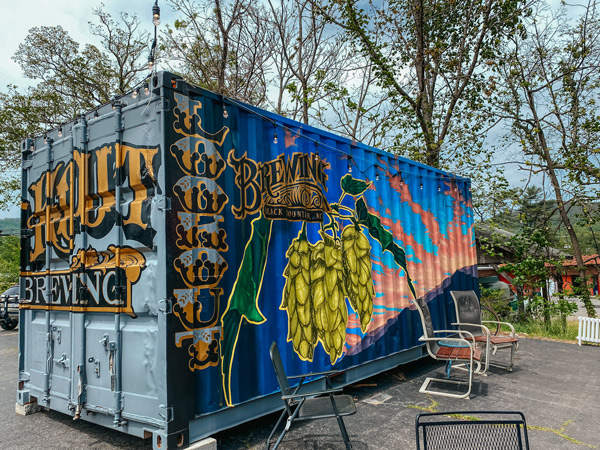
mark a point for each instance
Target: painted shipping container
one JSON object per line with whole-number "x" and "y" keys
{"x": 169, "y": 238}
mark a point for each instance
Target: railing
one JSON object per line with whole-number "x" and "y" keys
{"x": 589, "y": 330}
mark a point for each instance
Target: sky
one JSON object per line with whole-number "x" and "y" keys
{"x": 18, "y": 17}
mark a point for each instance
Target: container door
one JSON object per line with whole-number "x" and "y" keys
{"x": 90, "y": 279}
{"x": 46, "y": 285}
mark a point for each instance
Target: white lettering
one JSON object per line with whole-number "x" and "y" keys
{"x": 108, "y": 290}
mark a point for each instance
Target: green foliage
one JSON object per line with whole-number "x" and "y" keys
{"x": 70, "y": 79}
{"x": 11, "y": 227}
{"x": 529, "y": 266}
{"x": 531, "y": 262}
{"x": 550, "y": 89}
{"x": 21, "y": 115}
{"x": 495, "y": 300}
{"x": 88, "y": 76}
{"x": 541, "y": 309}
{"x": 558, "y": 329}
{"x": 431, "y": 60}
{"x": 9, "y": 261}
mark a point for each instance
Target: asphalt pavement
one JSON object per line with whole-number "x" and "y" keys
{"x": 555, "y": 384}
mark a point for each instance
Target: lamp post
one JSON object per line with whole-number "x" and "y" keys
{"x": 156, "y": 22}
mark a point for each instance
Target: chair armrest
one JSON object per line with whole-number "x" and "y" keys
{"x": 461, "y": 332}
{"x": 469, "y": 344}
{"x": 510, "y": 325}
{"x": 311, "y": 394}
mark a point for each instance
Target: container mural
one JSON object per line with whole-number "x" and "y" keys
{"x": 168, "y": 241}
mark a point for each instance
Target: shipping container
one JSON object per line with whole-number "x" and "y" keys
{"x": 169, "y": 237}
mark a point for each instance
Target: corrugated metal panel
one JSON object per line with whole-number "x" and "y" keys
{"x": 274, "y": 195}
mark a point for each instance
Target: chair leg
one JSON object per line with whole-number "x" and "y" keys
{"x": 468, "y": 366}
{"x": 285, "y": 430}
{"x": 344, "y": 432}
{"x": 487, "y": 360}
{"x": 288, "y": 424}
{"x": 340, "y": 422}
{"x": 283, "y": 414}
{"x": 506, "y": 365}
{"x": 512, "y": 357}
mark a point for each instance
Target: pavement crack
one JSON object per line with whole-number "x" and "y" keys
{"x": 561, "y": 433}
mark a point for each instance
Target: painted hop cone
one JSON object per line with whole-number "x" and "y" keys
{"x": 327, "y": 288}
{"x": 358, "y": 281}
{"x": 297, "y": 299}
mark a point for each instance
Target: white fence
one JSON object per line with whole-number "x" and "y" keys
{"x": 589, "y": 330}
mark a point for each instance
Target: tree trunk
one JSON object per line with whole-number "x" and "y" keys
{"x": 544, "y": 153}
{"x": 520, "y": 303}
{"x": 546, "y": 300}
{"x": 224, "y": 49}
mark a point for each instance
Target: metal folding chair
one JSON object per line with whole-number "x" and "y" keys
{"x": 461, "y": 349}
{"x": 468, "y": 318}
{"x": 492, "y": 430}
{"x": 309, "y": 405}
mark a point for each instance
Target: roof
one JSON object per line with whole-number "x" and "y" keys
{"x": 486, "y": 231}
{"x": 588, "y": 260}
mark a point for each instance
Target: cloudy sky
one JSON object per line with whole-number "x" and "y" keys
{"x": 73, "y": 15}
{"x": 18, "y": 17}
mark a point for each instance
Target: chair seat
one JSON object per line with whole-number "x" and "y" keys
{"x": 497, "y": 340}
{"x": 459, "y": 353}
{"x": 321, "y": 407}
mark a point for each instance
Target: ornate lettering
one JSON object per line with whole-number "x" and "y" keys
{"x": 284, "y": 188}
{"x": 87, "y": 288}
{"x": 58, "y": 203}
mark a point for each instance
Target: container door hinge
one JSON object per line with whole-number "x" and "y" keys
{"x": 84, "y": 138}
{"x": 27, "y": 163}
{"x": 57, "y": 332}
{"x": 164, "y": 203}
{"x": 165, "y": 305}
{"x": 166, "y": 412}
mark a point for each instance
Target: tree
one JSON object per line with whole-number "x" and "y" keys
{"x": 70, "y": 80}
{"x": 529, "y": 266}
{"x": 312, "y": 57}
{"x": 91, "y": 76}
{"x": 549, "y": 96}
{"x": 224, "y": 46}
{"x": 353, "y": 105}
{"x": 430, "y": 58}
{"x": 9, "y": 261}
{"x": 23, "y": 115}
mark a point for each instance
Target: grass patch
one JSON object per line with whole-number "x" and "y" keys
{"x": 538, "y": 329}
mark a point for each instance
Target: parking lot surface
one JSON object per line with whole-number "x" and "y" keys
{"x": 555, "y": 384}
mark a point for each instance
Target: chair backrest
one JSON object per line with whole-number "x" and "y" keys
{"x": 425, "y": 315}
{"x": 279, "y": 370}
{"x": 468, "y": 310}
{"x": 505, "y": 430}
